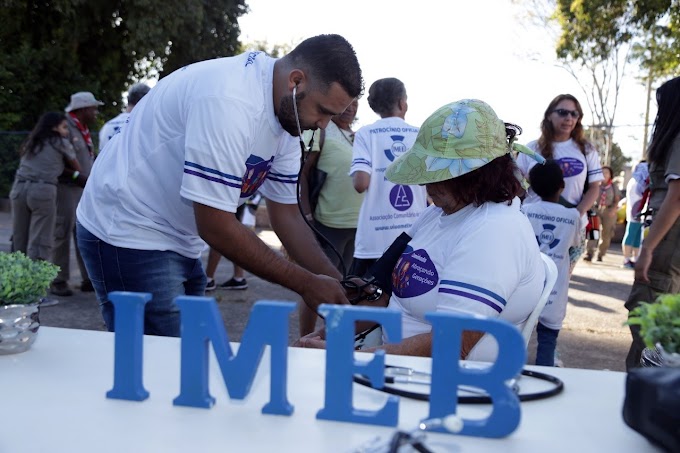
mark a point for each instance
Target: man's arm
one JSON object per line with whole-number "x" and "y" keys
{"x": 589, "y": 197}
{"x": 663, "y": 221}
{"x": 223, "y": 232}
{"x": 298, "y": 239}
{"x": 361, "y": 180}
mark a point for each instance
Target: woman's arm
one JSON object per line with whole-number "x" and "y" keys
{"x": 589, "y": 197}
{"x": 361, "y": 180}
{"x": 663, "y": 221}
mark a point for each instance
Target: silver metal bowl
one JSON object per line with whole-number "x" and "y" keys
{"x": 18, "y": 327}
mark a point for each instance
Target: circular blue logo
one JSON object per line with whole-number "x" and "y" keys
{"x": 401, "y": 197}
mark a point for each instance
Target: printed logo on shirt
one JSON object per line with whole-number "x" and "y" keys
{"x": 251, "y": 57}
{"x": 547, "y": 236}
{"x": 414, "y": 274}
{"x": 401, "y": 197}
{"x": 256, "y": 172}
{"x": 570, "y": 166}
{"x": 397, "y": 149}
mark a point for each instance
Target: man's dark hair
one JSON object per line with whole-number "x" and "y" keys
{"x": 137, "y": 92}
{"x": 330, "y": 58}
{"x": 547, "y": 179}
{"x": 384, "y": 94}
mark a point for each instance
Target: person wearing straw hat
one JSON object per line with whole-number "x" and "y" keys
{"x": 473, "y": 251}
{"x": 80, "y": 113}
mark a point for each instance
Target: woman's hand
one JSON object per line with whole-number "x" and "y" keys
{"x": 315, "y": 340}
{"x": 642, "y": 264}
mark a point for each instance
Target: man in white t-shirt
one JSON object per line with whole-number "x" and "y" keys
{"x": 200, "y": 144}
{"x": 388, "y": 209}
{"x": 111, "y": 127}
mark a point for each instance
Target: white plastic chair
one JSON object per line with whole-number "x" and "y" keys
{"x": 550, "y": 279}
{"x": 486, "y": 348}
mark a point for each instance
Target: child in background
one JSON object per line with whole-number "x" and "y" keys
{"x": 636, "y": 198}
{"x": 557, "y": 229}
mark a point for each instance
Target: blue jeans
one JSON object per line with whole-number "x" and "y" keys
{"x": 547, "y": 342}
{"x": 164, "y": 274}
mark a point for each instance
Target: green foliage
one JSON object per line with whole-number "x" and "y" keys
{"x": 618, "y": 160}
{"x": 591, "y": 29}
{"x": 23, "y": 280}
{"x": 659, "y": 322}
{"x": 53, "y": 49}
{"x": 9, "y": 159}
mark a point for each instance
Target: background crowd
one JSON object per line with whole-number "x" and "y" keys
{"x": 466, "y": 202}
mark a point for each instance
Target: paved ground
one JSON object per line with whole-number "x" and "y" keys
{"x": 593, "y": 336}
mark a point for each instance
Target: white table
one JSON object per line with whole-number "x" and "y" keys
{"x": 52, "y": 399}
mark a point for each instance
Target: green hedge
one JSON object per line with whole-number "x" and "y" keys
{"x": 9, "y": 158}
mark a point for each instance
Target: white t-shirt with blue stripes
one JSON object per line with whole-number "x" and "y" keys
{"x": 477, "y": 261}
{"x": 206, "y": 133}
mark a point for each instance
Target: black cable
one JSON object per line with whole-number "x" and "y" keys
{"x": 303, "y": 159}
{"x": 558, "y": 387}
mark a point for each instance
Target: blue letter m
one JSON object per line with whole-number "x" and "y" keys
{"x": 202, "y": 324}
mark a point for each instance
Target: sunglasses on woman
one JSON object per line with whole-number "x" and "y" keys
{"x": 564, "y": 113}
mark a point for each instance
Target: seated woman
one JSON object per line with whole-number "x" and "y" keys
{"x": 472, "y": 251}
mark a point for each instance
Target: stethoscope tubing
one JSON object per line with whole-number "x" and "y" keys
{"x": 557, "y": 388}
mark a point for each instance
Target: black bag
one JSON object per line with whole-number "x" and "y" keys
{"x": 652, "y": 405}
{"x": 381, "y": 270}
{"x": 316, "y": 178}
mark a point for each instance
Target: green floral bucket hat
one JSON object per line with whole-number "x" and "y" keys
{"x": 456, "y": 139}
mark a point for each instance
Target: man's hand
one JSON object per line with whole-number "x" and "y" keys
{"x": 323, "y": 289}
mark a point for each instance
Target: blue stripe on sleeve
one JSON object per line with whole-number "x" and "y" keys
{"x": 479, "y": 289}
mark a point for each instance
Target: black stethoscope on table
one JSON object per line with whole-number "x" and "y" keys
{"x": 405, "y": 375}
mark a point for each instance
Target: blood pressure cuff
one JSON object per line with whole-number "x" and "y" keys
{"x": 652, "y": 405}
{"x": 382, "y": 269}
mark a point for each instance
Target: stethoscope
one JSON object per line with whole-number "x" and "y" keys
{"x": 404, "y": 375}
{"x": 349, "y": 282}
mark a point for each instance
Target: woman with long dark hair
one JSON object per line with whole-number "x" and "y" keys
{"x": 563, "y": 140}
{"x": 657, "y": 269}
{"x": 34, "y": 193}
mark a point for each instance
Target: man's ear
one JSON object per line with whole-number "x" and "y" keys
{"x": 297, "y": 77}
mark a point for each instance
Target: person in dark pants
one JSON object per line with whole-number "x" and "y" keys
{"x": 657, "y": 269}
{"x": 44, "y": 156}
{"x": 81, "y": 111}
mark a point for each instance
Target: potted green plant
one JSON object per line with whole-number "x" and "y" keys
{"x": 660, "y": 327}
{"x": 23, "y": 283}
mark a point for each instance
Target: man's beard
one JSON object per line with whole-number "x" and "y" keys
{"x": 286, "y": 114}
